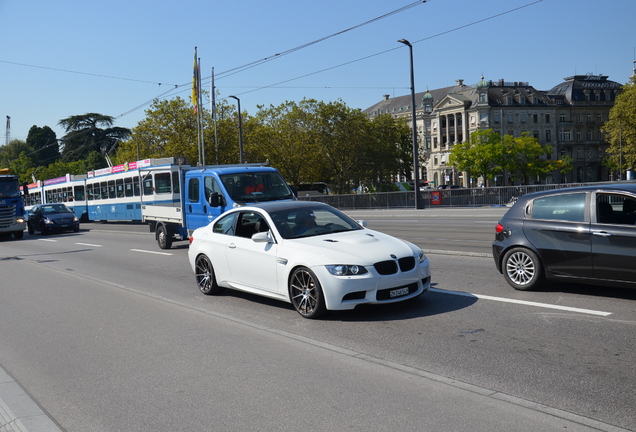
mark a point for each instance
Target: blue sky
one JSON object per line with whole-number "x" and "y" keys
{"x": 69, "y": 57}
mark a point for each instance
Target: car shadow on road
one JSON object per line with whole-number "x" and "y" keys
{"x": 428, "y": 304}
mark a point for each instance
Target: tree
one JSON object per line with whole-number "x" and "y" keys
{"x": 43, "y": 141}
{"x": 84, "y": 135}
{"x": 620, "y": 130}
{"x": 526, "y": 157}
{"x": 481, "y": 156}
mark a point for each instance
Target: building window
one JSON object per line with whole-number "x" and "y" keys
{"x": 496, "y": 117}
{"x": 511, "y": 118}
{"x": 579, "y": 153}
{"x": 535, "y": 118}
{"x": 579, "y": 118}
{"x": 562, "y": 117}
{"x": 578, "y": 135}
{"x": 589, "y": 117}
{"x": 599, "y": 118}
{"x": 473, "y": 120}
{"x": 482, "y": 97}
{"x": 548, "y": 136}
{"x": 523, "y": 117}
{"x": 589, "y": 135}
{"x": 547, "y": 118}
{"x": 522, "y": 100}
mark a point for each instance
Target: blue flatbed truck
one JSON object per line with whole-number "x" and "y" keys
{"x": 207, "y": 192}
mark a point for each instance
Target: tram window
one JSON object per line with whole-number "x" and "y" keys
{"x": 148, "y": 185}
{"x": 104, "y": 187}
{"x": 136, "y": 185}
{"x": 79, "y": 193}
{"x": 162, "y": 183}
{"x": 193, "y": 190}
{"x": 111, "y": 189}
{"x": 119, "y": 183}
{"x": 175, "y": 182}
{"x": 89, "y": 192}
{"x": 128, "y": 188}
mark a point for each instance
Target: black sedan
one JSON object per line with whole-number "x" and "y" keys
{"x": 583, "y": 234}
{"x": 48, "y": 218}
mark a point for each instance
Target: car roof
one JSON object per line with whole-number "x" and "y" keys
{"x": 274, "y": 206}
{"x": 612, "y": 187}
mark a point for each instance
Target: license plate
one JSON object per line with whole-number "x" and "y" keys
{"x": 398, "y": 292}
{"x": 63, "y": 226}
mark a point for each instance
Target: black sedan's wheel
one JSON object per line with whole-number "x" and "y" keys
{"x": 44, "y": 230}
{"x": 204, "y": 272}
{"x": 164, "y": 240}
{"x": 522, "y": 269}
{"x": 30, "y": 228}
{"x": 306, "y": 293}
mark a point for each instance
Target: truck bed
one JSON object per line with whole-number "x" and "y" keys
{"x": 161, "y": 213}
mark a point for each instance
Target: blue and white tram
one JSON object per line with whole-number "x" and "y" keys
{"x": 117, "y": 193}
{"x": 69, "y": 190}
{"x": 112, "y": 194}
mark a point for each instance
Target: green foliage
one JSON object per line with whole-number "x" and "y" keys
{"x": 43, "y": 142}
{"x": 485, "y": 155}
{"x": 620, "y": 130}
{"x": 481, "y": 156}
{"x": 84, "y": 135}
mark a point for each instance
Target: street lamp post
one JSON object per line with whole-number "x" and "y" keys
{"x": 238, "y": 103}
{"x": 416, "y": 168}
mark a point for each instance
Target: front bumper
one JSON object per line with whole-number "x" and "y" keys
{"x": 347, "y": 292}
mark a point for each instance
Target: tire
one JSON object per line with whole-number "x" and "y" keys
{"x": 30, "y": 229}
{"x": 76, "y": 229}
{"x": 164, "y": 240}
{"x": 522, "y": 269}
{"x": 306, "y": 294}
{"x": 204, "y": 273}
{"x": 18, "y": 234}
{"x": 44, "y": 230}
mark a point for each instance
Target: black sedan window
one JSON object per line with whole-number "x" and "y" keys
{"x": 566, "y": 207}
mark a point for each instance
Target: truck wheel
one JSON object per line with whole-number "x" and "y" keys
{"x": 18, "y": 234}
{"x": 164, "y": 240}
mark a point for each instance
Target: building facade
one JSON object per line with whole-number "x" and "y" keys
{"x": 568, "y": 117}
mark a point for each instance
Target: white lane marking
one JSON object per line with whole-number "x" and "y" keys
{"x": 523, "y": 302}
{"x": 48, "y": 240}
{"x": 88, "y": 244}
{"x": 151, "y": 252}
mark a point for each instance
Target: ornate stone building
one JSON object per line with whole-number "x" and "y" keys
{"x": 568, "y": 117}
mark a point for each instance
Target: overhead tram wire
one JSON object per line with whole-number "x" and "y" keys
{"x": 252, "y": 64}
{"x": 292, "y": 50}
{"x": 396, "y": 48}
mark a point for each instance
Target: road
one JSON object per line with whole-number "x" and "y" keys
{"x": 107, "y": 332}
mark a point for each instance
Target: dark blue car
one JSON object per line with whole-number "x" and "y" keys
{"x": 48, "y": 218}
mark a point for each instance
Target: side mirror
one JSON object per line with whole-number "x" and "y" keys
{"x": 362, "y": 223}
{"x": 215, "y": 199}
{"x": 262, "y": 237}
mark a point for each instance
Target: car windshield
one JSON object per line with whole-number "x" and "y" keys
{"x": 312, "y": 221}
{"x": 55, "y": 208}
{"x": 9, "y": 189}
{"x": 256, "y": 187}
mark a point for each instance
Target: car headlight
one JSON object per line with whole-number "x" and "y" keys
{"x": 75, "y": 219}
{"x": 346, "y": 270}
{"x": 48, "y": 221}
{"x": 421, "y": 255}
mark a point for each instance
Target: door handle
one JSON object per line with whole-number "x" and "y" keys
{"x": 231, "y": 246}
{"x": 602, "y": 233}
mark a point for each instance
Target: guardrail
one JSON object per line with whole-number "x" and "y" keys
{"x": 464, "y": 197}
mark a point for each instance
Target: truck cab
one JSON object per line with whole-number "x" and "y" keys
{"x": 209, "y": 191}
{"x": 12, "y": 214}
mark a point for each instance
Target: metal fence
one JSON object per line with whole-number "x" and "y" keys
{"x": 473, "y": 197}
